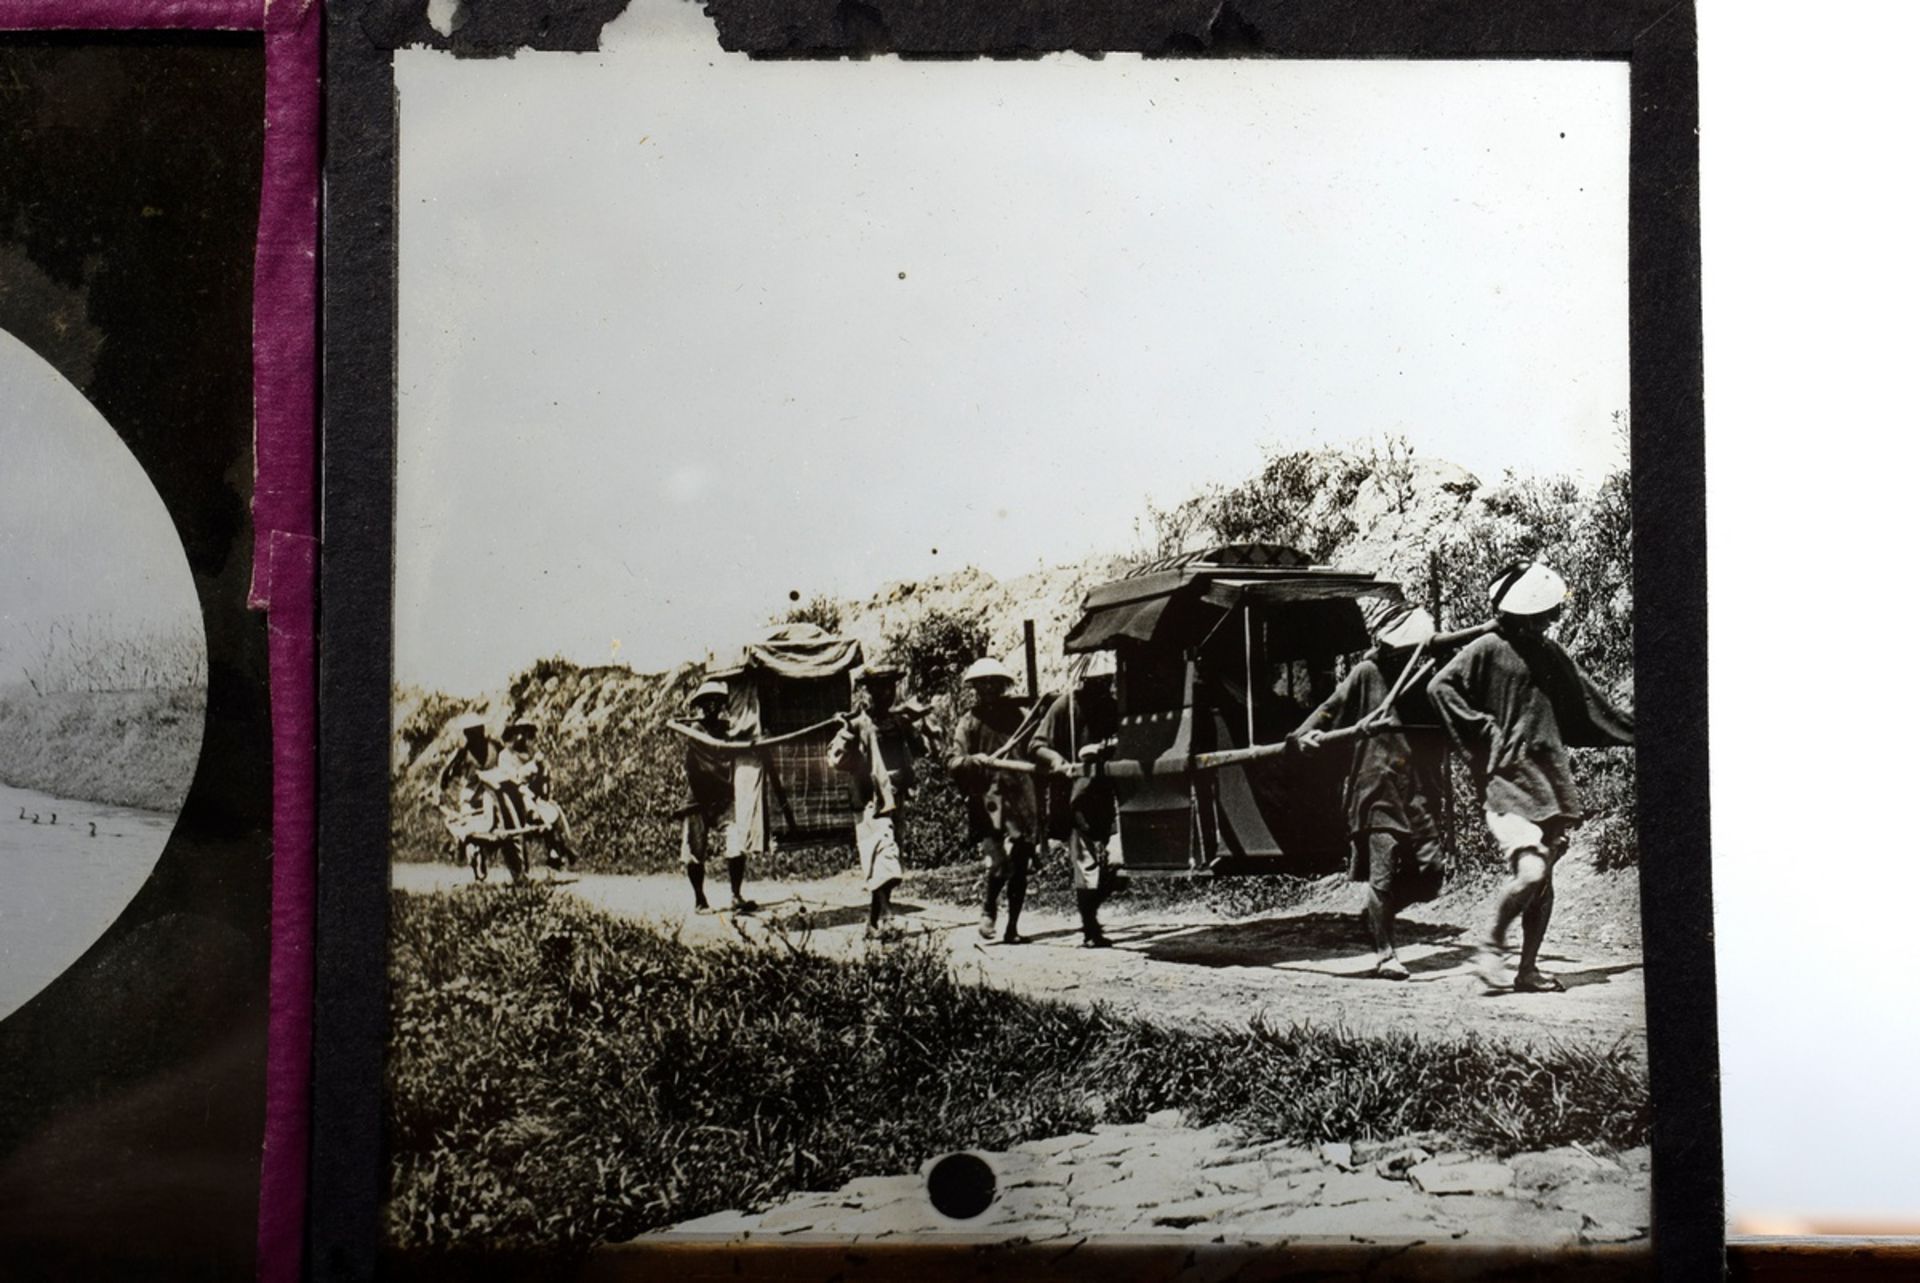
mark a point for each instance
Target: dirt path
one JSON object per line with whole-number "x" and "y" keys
{"x": 1176, "y": 966}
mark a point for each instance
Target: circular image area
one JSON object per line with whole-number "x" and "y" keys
{"x": 103, "y": 675}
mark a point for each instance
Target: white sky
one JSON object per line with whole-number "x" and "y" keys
{"x": 83, "y": 533}
{"x": 658, "y": 364}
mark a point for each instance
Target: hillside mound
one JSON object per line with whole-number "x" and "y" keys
{"x": 126, "y": 747}
{"x": 1426, "y": 523}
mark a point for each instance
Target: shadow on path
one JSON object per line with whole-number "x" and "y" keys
{"x": 1594, "y": 975}
{"x": 823, "y": 918}
{"x": 1265, "y": 942}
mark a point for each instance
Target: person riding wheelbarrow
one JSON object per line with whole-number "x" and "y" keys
{"x": 528, "y": 791}
{"x": 489, "y": 813}
{"x": 473, "y": 815}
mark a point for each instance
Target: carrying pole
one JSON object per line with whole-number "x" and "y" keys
{"x": 1033, "y": 661}
{"x": 1446, "y": 759}
{"x": 1129, "y": 769}
{"x": 1246, "y": 634}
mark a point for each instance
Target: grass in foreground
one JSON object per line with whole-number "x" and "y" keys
{"x": 560, "y": 1077}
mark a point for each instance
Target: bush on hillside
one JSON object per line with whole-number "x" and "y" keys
{"x": 96, "y": 653}
{"x": 1302, "y": 499}
{"x": 1588, "y": 538}
{"x": 823, "y": 613}
{"x": 135, "y": 748}
{"x": 427, "y": 720}
{"x": 935, "y": 648}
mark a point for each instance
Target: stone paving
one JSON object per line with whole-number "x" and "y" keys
{"x": 1163, "y": 1177}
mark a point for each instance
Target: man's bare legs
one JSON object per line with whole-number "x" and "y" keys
{"x": 736, "y": 875}
{"x": 1381, "y": 909}
{"x": 1528, "y": 896}
{"x": 1380, "y": 914}
{"x": 1533, "y": 930}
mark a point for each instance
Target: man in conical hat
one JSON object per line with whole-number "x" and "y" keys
{"x": 707, "y": 818}
{"x": 1514, "y": 701}
{"x": 1393, "y": 785}
{"x": 1003, "y": 809}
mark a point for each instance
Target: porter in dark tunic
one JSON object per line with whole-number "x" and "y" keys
{"x": 1003, "y": 808}
{"x": 1088, "y": 716}
{"x": 1514, "y": 700}
{"x": 1392, "y": 798}
{"x": 707, "y": 817}
{"x": 1393, "y": 785}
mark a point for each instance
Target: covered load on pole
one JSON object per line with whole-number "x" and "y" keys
{"x": 786, "y": 688}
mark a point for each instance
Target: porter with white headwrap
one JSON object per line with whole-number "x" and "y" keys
{"x": 1514, "y": 701}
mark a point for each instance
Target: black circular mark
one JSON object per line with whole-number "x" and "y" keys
{"x": 793, "y": 594}
{"x": 961, "y": 1186}
{"x": 903, "y": 276}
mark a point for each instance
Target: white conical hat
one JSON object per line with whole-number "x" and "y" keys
{"x": 987, "y": 668}
{"x": 709, "y": 689}
{"x": 1532, "y": 588}
{"x": 1101, "y": 663}
{"x": 1406, "y": 626}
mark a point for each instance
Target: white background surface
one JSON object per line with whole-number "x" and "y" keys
{"x": 1808, "y": 122}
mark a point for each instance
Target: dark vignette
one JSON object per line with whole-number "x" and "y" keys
{"x": 132, "y": 1089}
{"x": 1668, "y": 467}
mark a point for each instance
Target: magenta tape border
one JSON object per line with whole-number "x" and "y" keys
{"x": 286, "y": 328}
{"x": 286, "y": 533}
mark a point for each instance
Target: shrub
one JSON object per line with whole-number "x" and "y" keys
{"x": 1588, "y": 538}
{"x": 935, "y": 648}
{"x": 1389, "y": 463}
{"x": 1184, "y": 527}
{"x": 823, "y": 613}
{"x": 1302, "y": 499}
{"x": 97, "y": 653}
{"x": 936, "y": 828}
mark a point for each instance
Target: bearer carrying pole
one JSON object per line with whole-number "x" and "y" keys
{"x": 1378, "y": 722}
